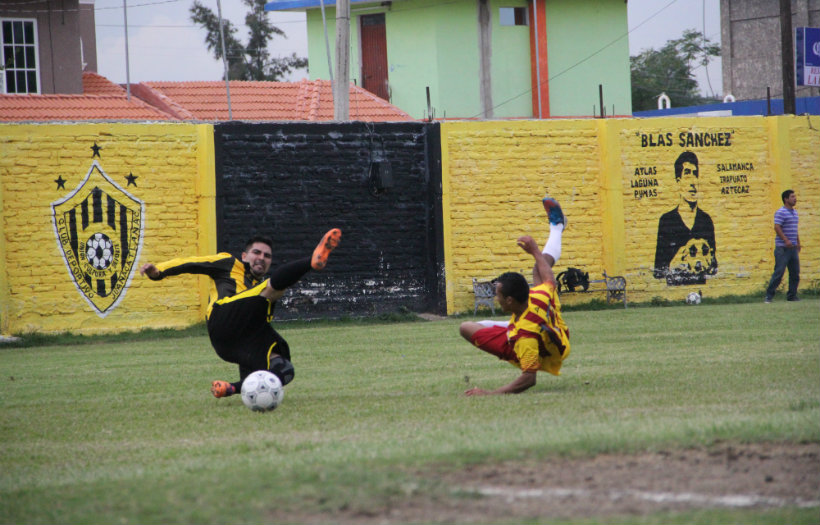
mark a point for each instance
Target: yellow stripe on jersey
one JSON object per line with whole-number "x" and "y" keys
{"x": 230, "y": 280}
{"x": 250, "y": 292}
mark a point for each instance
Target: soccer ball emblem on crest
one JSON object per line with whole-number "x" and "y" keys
{"x": 262, "y": 391}
{"x": 99, "y": 251}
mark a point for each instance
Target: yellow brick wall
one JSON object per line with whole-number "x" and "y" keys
{"x": 804, "y": 175}
{"x": 494, "y": 175}
{"x": 173, "y": 169}
{"x": 614, "y": 179}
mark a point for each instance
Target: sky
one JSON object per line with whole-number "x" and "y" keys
{"x": 163, "y": 43}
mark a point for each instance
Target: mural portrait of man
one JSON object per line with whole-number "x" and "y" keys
{"x": 685, "y": 251}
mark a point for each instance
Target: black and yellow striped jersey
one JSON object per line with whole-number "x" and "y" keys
{"x": 229, "y": 275}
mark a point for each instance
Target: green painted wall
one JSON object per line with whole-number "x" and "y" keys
{"x": 414, "y": 58}
{"x": 458, "y": 61}
{"x": 512, "y": 82}
{"x": 437, "y": 46}
{"x": 579, "y": 35}
{"x": 317, "y": 56}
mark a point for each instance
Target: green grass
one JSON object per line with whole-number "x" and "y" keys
{"x": 125, "y": 431}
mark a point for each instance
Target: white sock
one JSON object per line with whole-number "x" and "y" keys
{"x": 553, "y": 246}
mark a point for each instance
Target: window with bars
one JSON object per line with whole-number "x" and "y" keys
{"x": 20, "y": 65}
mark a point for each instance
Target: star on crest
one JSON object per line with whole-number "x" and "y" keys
{"x": 60, "y": 182}
{"x": 96, "y": 150}
{"x": 132, "y": 179}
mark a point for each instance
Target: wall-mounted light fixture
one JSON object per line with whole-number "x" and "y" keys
{"x": 380, "y": 176}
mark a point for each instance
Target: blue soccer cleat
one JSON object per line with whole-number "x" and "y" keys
{"x": 554, "y": 213}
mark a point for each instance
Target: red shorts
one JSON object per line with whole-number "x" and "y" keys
{"x": 493, "y": 340}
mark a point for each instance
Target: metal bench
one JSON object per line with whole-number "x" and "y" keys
{"x": 484, "y": 294}
{"x": 614, "y": 286}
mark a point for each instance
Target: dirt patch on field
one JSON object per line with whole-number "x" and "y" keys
{"x": 726, "y": 476}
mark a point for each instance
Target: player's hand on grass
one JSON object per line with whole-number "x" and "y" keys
{"x": 475, "y": 391}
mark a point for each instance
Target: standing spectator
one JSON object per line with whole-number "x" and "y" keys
{"x": 786, "y": 248}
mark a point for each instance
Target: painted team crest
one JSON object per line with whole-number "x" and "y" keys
{"x": 99, "y": 230}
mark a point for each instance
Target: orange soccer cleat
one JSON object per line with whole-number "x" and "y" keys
{"x": 322, "y": 251}
{"x": 222, "y": 389}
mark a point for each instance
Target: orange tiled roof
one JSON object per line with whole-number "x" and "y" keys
{"x": 250, "y": 101}
{"x": 94, "y": 84}
{"x": 101, "y": 100}
{"x": 310, "y": 100}
{"x": 39, "y": 108}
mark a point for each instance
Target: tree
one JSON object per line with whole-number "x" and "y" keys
{"x": 670, "y": 71}
{"x": 251, "y": 61}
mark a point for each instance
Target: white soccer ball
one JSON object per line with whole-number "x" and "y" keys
{"x": 693, "y": 298}
{"x": 262, "y": 391}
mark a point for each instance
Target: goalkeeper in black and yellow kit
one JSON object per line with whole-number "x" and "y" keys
{"x": 241, "y": 304}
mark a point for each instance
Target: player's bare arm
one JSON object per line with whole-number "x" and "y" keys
{"x": 542, "y": 271}
{"x": 520, "y": 384}
{"x": 150, "y": 270}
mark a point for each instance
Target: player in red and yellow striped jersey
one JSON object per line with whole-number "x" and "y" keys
{"x": 536, "y": 338}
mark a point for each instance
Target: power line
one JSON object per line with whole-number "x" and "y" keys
{"x": 147, "y": 4}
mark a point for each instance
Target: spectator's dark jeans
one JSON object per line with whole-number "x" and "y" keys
{"x": 785, "y": 258}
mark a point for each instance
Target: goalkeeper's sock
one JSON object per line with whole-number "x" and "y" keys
{"x": 487, "y": 323}
{"x": 289, "y": 273}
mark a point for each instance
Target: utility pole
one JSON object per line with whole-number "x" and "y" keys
{"x": 127, "y": 65}
{"x": 787, "y": 56}
{"x": 224, "y": 59}
{"x": 341, "y": 88}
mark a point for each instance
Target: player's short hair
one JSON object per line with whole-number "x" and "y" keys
{"x": 686, "y": 156}
{"x": 514, "y": 285}
{"x": 258, "y": 238}
{"x": 785, "y": 195}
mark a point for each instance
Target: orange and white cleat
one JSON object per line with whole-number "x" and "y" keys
{"x": 322, "y": 251}
{"x": 222, "y": 389}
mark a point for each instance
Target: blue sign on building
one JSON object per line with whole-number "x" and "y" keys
{"x": 807, "y": 56}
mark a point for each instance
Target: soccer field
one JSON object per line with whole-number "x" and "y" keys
{"x": 375, "y": 425}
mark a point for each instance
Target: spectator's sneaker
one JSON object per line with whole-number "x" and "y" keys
{"x": 554, "y": 213}
{"x": 767, "y": 300}
{"x": 222, "y": 389}
{"x": 322, "y": 251}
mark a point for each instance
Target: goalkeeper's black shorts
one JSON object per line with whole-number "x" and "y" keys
{"x": 240, "y": 332}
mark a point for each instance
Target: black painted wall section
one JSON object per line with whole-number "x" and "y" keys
{"x": 380, "y": 183}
